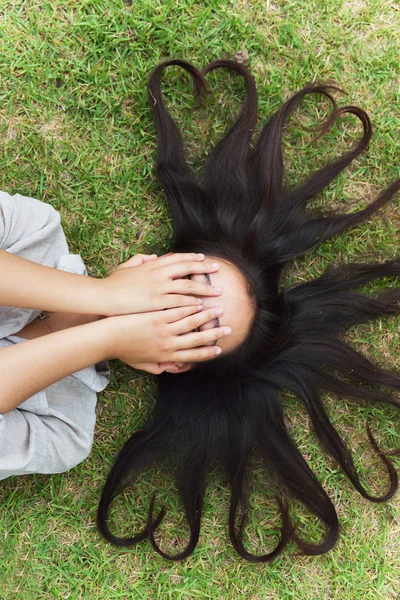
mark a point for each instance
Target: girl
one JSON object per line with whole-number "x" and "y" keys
{"x": 58, "y": 328}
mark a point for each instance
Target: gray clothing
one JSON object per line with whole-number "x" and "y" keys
{"x": 53, "y": 430}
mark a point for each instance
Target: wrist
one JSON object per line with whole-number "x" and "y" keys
{"x": 27, "y": 284}
{"x": 95, "y": 339}
{"x": 100, "y": 297}
{"x": 80, "y": 295}
{"x": 107, "y": 335}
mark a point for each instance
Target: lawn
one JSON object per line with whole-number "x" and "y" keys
{"x": 76, "y": 131}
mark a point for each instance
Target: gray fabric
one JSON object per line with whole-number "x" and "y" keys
{"x": 31, "y": 229}
{"x": 53, "y": 430}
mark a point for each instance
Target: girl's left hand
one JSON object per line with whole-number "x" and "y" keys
{"x": 150, "y": 283}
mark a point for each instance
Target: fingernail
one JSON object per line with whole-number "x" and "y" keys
{"x": 179, "y": 365}
{"x": 218, "y": 350}
{"x": 218, "y": 289}
{"x": 227, "y": 330}
{"x": 215, "y": 264}
{"x": 200, "y": 255}
{"x": 200, "y": 307}
{"x": 219, "y": 312}
{"x": 199, "y": 301}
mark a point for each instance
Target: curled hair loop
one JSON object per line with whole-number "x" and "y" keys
{"x": 236, "y": 532}
{"x": 224, "y": 173}
{"x": 175, "y": 175}
{"x": 394, "y": 479}
{"x": 194, "y": 536}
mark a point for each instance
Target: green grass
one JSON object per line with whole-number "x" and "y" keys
{"x": 76, "y": 131}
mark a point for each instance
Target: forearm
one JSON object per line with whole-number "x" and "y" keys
{"x": 26, "y": 284}
{"x": 31, "y": 366}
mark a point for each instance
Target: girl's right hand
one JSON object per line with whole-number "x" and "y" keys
{"x": 165, "y": 336}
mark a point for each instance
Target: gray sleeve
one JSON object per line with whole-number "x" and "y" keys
{"x": 53, "y": 430}
{"x": 52, "y": 435}
{"x": 30, "y": 229}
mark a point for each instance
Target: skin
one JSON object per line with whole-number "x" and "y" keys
{"x": 230, "y": 296}
{"x": 157, "y": 320}
{"x": 235, "y": 301}
{"x": 141, "y": 284}
{"x": 33, "y": 365}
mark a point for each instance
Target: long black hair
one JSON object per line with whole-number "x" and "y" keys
{"x": 225, "y": 411}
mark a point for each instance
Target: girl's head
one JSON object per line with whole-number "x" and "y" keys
{"x": 250, "y": 308}
{"x": 238, "y": 211}
{"x": 228, "y": 410}
{"x": 238, "y": 299}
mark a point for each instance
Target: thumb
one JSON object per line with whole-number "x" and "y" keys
{"x": 136, "y": 260}
{"x": 148, "y": 257}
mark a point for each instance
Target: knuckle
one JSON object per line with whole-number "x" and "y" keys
{"x": 198, "y": 267}
{"x": 187, "y": 256}
{"x": 192, "y": 323}
{"x": 161, "y": 332}
{"x": 186, "y": 309}
{"x": 189, "y": 266}
{"x": 183, "y": 312}
{"x": 203, "y": 289}
{"x": 204, "y": 355}
{"x": 194, "y": 356}
{"x": 190, "y": 285}
{"x": 212, "y": 336}
{"x": 199, "y": 339}
{"x": 165, "y": 345}
{"x": 156, "y": 321}
{"x": 156, "y": 272}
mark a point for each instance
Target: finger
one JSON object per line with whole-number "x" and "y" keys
{"x": 154, "y": 368}
{"x": 178, "y": 369}
{"x": 167, "y": 365}
{"x": 174, "y": 257}
{"x": 195, "y": 355}
{"x": 138, "y": 259}
{"x": 168, "y": 301}
{"x": 183, "y": 268}
{"x": 134, "y": 261}
{"x": 158, "y": 368}
{"x": 176, "y": 314}
{"x": 199, "y": 338}
{"x": 195, "y": 288}
{"x": 194, "y": 321}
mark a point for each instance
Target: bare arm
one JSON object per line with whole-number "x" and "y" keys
{"x": 154, "y": 285}
{"x": 26, "y": 284}
{"x": 160, "y": 337}
{"x": 31, "y": 366}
